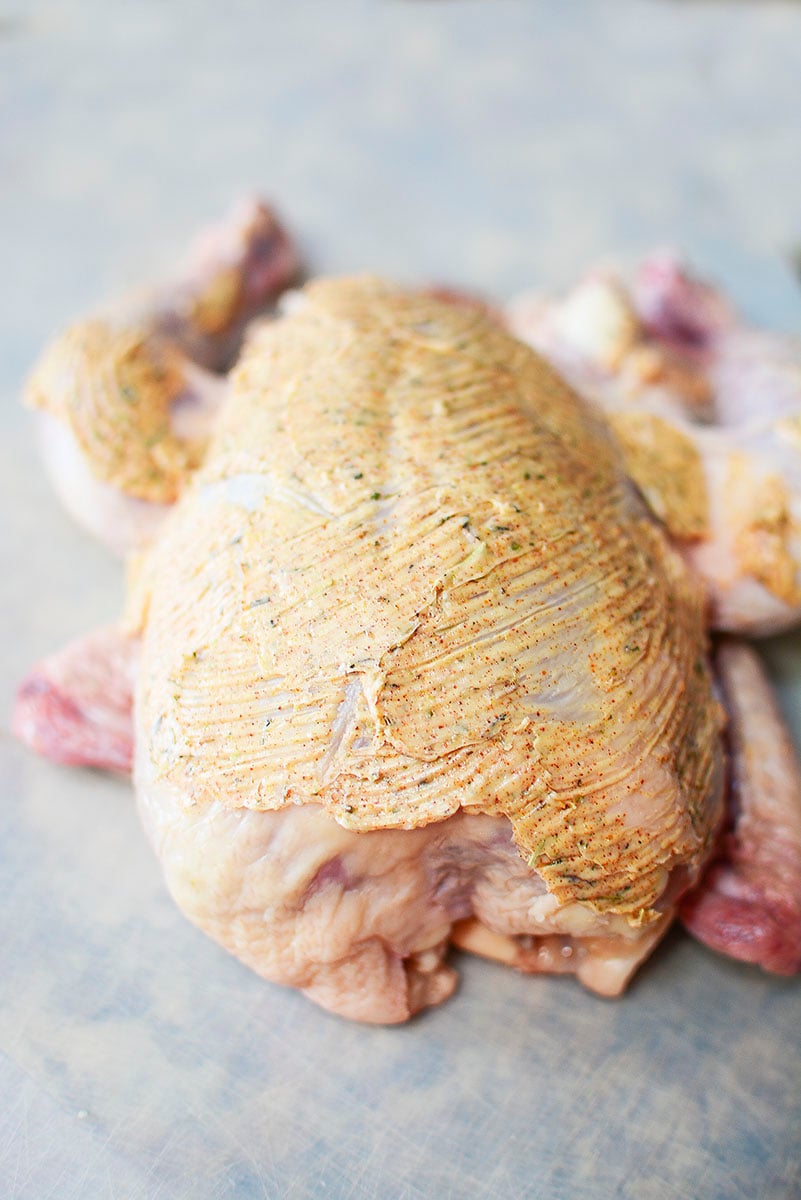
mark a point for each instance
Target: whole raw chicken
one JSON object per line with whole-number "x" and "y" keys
{"x": 414, "y": 661}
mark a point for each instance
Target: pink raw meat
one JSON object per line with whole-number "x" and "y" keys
{"x": 76, "y": 706}
{"x": 748, "y": 904}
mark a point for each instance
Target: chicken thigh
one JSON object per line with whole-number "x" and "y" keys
{"x": 126, "y": 399}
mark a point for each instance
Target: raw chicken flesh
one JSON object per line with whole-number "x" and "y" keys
{"x": 408, "y": 614}
{"x": 414, "y": 665}
{"x": 76, "y": 707}
{"x": 749, "y": 902}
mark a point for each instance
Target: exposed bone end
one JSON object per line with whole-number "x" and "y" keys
{"x": 603, "y": 964}
{"x": 597, "y": 320}
{"x": 593, "y": 325}
{"x": 429, "y": 980}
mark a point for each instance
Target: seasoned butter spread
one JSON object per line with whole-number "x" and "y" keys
{"x": 666, "y": 466}
{"x": 114, "y": 387}
{"x": 410, "y": 576}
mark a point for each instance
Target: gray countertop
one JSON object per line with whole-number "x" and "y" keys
{"x": 483, "y": 142}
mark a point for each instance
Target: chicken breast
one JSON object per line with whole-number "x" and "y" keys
{"x": 418, "y": 664}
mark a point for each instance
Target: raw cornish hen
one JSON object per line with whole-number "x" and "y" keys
{"x": 414, "y": 654}
{"x": 410, "y": 662}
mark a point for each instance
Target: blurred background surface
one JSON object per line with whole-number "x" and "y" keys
{"x": 492, "y": 143}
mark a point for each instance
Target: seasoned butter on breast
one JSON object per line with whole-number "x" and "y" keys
{"x": 411, "y": 576}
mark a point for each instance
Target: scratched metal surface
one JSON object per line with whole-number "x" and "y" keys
{"x": 493, "y": 144}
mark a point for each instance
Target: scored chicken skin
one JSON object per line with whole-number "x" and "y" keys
{"x": 411, "y": 584}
